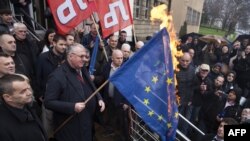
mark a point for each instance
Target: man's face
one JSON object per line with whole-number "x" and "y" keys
{"x": 126, "y": 52}
{"x": 8, "y": 43}
{"x": 22, "y": 94}
{"x": 21, "y": 33}
{"x": 218, "y": 82}
{"x": 113, "y": 42}
{"x": 203, "y": 73}
{"x": 78, "y": 58}
{"x": 117, "y": 59}
{"x": 123, "y": 36}
{"x": 93, "y": 29}
{"x": 70, "y": 40}
{"x": 7, "y": 18}
{"x": 185, "y": 60}
{"x": 220, "y": 130}
{"x": 7, "y": 65}
{"x": 59, "y": 46}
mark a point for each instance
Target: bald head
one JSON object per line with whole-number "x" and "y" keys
{"x": 8, "y": 44}
{"x": 185, "y": 60}
{"x": 138, "y": 45}
{"x": 117, "y": 57}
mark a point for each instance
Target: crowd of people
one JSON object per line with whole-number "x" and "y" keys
{"x": 44, "y": 85}
{"x": 213, "y": 84}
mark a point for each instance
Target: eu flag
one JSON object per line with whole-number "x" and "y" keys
{"x": 147, "y": 81}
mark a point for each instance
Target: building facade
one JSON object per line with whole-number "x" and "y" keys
{"x": 182, "y": 10}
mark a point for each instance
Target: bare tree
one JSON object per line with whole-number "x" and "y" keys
{"x": 230, "y": 13}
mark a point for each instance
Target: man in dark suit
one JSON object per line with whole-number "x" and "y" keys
{"x": 67, "y": 89}
{"x": 18, "y": 120}
{"x": 117, "y": 105}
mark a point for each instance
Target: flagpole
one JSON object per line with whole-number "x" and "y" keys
{"x": 86, "y": 101}
{"x": 133, "y": 28}
{"x": 101, "y": 41}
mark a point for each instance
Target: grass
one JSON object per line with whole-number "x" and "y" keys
{"x": 213, "y": 31}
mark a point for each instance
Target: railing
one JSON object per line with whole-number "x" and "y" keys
{"x": 31, "y": 30}
{"x": 140, "y": 132}
{"x": 33, "y": 34}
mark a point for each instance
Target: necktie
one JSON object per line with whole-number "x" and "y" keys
{"x": 79, "y": 77}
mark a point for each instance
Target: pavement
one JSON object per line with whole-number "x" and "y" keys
{"x": 100, "y": 136}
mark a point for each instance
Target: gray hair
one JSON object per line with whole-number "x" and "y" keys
{"x": 72, "y": 48}
{"x": 125, "y": 45}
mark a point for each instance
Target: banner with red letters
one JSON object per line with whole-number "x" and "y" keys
{"x": 114, "y": 15}
{"x": 69, "y": 13}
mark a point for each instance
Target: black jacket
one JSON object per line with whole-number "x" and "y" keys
{"x": 62, "y": 92}
{"x": 20, "y": 125}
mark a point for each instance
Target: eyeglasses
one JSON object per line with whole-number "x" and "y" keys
{"x": 81, "y": 56}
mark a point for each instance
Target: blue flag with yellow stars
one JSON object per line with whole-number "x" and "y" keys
{"x": 146, "y": 80}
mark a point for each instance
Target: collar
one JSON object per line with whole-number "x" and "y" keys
{"x": 113, "y": 67}
{"x": 22, "y": 115}
{"x": 69, "y": 67}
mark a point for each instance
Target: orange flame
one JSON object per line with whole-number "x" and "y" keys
{"x": 160, "y": 13}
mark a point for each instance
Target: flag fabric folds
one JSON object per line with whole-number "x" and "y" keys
{"x": 93, "y": 56}
{"x": 147, "y": 81}
{"x": 68, "y": 14}
{"x": 114, "y": 15}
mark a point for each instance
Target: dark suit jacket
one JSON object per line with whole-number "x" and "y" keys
{"x": 15, "y": 126}
{"x": 47, "y": 63}
{"x": 62, "y": 92}
{"x": 118, "y": 98}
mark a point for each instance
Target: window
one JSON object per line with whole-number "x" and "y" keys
{"x": 146, "y": 9}
{"x": 137, "y": 8}
{"x": 192, "y": 17}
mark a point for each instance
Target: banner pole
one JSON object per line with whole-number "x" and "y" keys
{"x": 133, "y": 28}
{"x": 86, "y": 101}
{"x": 101, "y": 41}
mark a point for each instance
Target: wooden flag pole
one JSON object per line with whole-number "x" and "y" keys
{"x": 86, "y": 101}
{"x": 101, "y": 41}
{"x": 133, "y": 28}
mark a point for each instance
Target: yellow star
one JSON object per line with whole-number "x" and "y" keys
{"x": 155, "y": 79}
{"x": 169, "y": 81}
{"x": 169, "y": 125}
{"x": 146, "y": 102}
{"x": 147, "y": 89}
{"x": 160, "y": 117}
{"x": 176, "y": 115}
{"x": 151, "y": 113}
